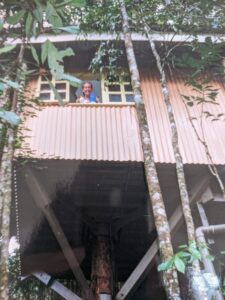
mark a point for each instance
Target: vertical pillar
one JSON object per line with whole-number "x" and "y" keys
{"x": 101, "y": 275}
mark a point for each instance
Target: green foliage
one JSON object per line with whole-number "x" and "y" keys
{"x": 56, "y": 94}
{"x": 180, "y": 16}
{"x": 29, "y": 23}
{"x": 107, "y": 59}
{"x": 202, "y": 58}
{"x": 70, "y": 29}
{"x": 16, "y": 18}
{"x": 204, "y": 63}
{"x": 35, "y": 55}
{"x": 54, "y": 58}
{"x": 9, "y": 117}
{"x": 101, "y": 18}
{"x": 9, "y": 83}
{"x": 184, "y": 257}
{"x": 52, "y": 16}
{"x": 7, "y": 48}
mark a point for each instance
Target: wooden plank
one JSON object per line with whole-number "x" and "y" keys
{"x": 204, "y": 219}
{"x": 56, "y": 286}
{"x": 42, "y": 200}
{"x": 207, "y": 196}
{"x": 144, "y": 265}
{"x": 162, "y": 37}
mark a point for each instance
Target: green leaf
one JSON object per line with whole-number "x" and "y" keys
{"x": 56, "y": 94}
{"x": 210, "y": 257}
{"x": 2, "y": 86}
{"x": 35, "y": 29}
{"x": 38, "y": 11}
{"x": 184, "y": 246}
{"x": 195, "y": 253}
{"x": 165, "y": 265}
{"x": 44, "y": 51}
{"x": 74, "y": 3}
{"x": 63, "y": 53}
{"x": 12, "y": 84}
{"x": 183, "y": 254}
{"x": 16, "y": 17}
{"x": 1, "y": 25}
{"x": 55, "y": 20}
{"x": 52, "y": 16}
{"x": 179, "y": 264}
{"x": 52, "y": 57}
{"x": 49, "y": 10}
{"x": 38, "y": 4}
{"x": 70, "y": 29}
{"x": 34, "y": 54}
{"x": 7, "y": 48}
{"x": 28, "y": 24}
{"x": 78, "y": 3}
{"x": 74, "y": 81}
{"x": 10, "y": 117}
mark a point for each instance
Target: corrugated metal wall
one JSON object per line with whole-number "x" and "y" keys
{"x": 192, "y": 150}
{"x": 110, "y": 132}
{"x": 96, "y": 131}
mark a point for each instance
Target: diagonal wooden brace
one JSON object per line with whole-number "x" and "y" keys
{"x": 144, "y": 265}
{"x": 56, "y": 286}
{"x": 43, "y": 202}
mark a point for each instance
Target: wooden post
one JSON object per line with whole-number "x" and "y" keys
{"x": 101, "y": 265}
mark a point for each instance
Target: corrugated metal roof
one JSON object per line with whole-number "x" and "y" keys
{"x": 110, "y": 132}
{"x": 97, "y": 132}
{"x": 192, "y": 150}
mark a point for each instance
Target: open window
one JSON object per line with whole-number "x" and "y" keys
{"x": 118, "y": 91}
{"x": 46, "y": 94}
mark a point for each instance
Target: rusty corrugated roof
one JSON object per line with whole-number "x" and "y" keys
{"x": 110, "y": 132}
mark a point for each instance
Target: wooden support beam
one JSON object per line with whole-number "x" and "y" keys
{"x": 206, "y": 196}
{"x": 43, "y": 202}
{"x": 144, "y": 265}
{"x": 56, "y": 286}
{"x": 204, "y": 219}
{"x": 218, "y": 197}
{"x": 101, "y": 273}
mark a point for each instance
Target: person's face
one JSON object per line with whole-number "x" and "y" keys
{"x": 87, "y": 89}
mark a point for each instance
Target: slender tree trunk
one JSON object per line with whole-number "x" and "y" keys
{"x": 178, "y": 159}
{"x": 6, "y": 192}
{"x": 5, "y": 197}
{"x": 162, "y": 226}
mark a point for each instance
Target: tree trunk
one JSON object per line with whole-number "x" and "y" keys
{"x": 6, "y": 191}
{"x": 161, "y": 222}
{"x": 178, "y": 159}
{"x": 5, "y": 200}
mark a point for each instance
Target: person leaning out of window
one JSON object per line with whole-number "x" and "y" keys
{"x": 88, "y": 94}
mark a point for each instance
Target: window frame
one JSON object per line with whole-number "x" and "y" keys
{"x": 50, "y": 91}
{"x": 123, "y": 93}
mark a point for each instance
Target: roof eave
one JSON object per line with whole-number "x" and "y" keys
{"x": 158, "y": 37}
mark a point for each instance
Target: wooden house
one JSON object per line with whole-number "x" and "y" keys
{"x": 79, "y": 183}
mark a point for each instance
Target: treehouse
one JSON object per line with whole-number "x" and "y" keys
{"x": 81, "y": 203}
